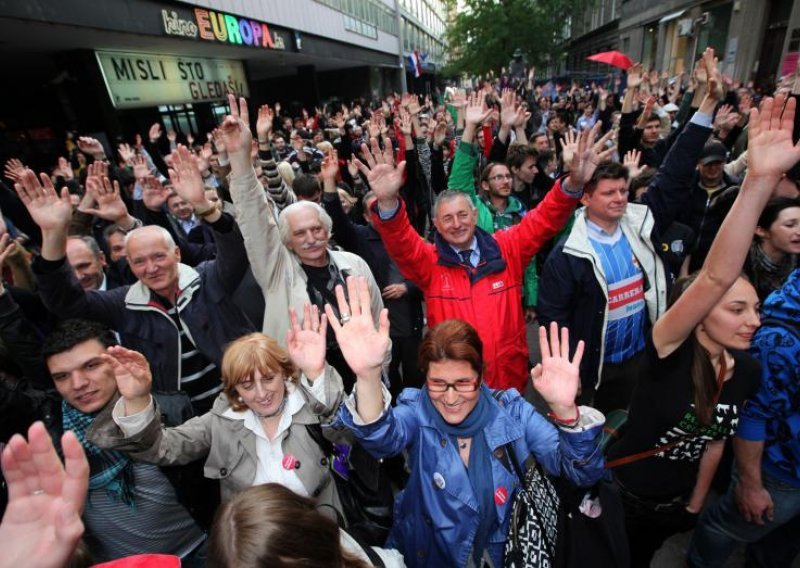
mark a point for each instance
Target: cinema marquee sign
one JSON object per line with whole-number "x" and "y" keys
{"x": 137, "y": 80}
{"x": 208, "y": 25}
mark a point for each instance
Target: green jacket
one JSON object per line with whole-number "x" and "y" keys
{"x": 489, "y": 219}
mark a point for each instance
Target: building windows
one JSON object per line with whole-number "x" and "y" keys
{"x": 180, "y": 118}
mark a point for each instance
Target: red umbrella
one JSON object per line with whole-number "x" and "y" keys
{"x": 615, "y": 58}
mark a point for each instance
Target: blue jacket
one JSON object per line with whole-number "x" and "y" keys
{"x": 773, "y": 416}
{"x": 572, "y": 288}
{"x": 436, "y": 516}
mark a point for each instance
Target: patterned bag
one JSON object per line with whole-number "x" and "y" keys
{"x": 533, "y": 528}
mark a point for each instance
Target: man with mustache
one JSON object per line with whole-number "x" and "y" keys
{"x": 289, "y": 255}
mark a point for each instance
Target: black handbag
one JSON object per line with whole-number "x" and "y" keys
{"x": 366, "y": 494}
{"x": 533, "y": 528}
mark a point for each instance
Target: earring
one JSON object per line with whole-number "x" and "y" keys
{"x": 240, "y": 399}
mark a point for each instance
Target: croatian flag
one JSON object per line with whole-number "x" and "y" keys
{"x": 414, "y": 60}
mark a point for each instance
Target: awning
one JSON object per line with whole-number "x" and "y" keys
{"x": 670, "y": 17}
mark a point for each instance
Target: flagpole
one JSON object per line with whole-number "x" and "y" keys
{"x": 400, "y": 59}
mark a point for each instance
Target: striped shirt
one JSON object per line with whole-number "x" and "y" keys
{"x": 625, "y": 329}
{"x": 157, "y": 523}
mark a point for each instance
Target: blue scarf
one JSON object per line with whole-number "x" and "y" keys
{"x": 480, "y": 462}
{"x": 109, "y": 470}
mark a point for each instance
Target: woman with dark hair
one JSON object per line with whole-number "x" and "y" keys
{"x": 269, "y": 526}
{"x": 773, "y": 254}
{"x": 695, "y": 374}
{"x": 460, "y": 436}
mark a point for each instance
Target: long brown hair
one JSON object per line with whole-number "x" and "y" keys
{"x": 704, "y": 379}
{"x": 271, "y": 526}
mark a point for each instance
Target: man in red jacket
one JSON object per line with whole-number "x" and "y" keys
{"x": 467, "y": 273}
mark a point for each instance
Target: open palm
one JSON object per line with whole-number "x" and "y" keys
{"x": 306, "y": 345}
{"x": 384, "y": 178}
{"x": 49, "y": 210}
{"x": 770, "y": 151}
{"x": 557, "y": 378}
{"x": 131, "y": 371}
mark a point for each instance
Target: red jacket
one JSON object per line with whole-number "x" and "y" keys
{"x": 489, "y": 297}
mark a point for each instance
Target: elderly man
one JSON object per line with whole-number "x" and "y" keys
{"x": 468, "y": 273}
{"x": 180, "y": 318}
{"x": 289, "y": 257}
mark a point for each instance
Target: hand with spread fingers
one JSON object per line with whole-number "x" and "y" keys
{"x": 306, "y": 345}
{"x": 589, "y": 155}
{"x": 133, "y": 376}
{"x": 557, "y": 378}
{"x": 384, "y": 178}
{"x": 363, "y": 346}
{"x": 50, "y": 210}
{"x": 42, "y": 522}
{"x": 237, "y": 137}
{"x": 109, "y": 203}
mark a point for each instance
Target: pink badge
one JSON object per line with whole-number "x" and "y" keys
{"x": 289, "y": 461}
{"x": 500, "y": 495}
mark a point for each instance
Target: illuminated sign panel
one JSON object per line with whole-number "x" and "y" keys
{"x": 208, "y": 25}
{"x": 137, "y": 80}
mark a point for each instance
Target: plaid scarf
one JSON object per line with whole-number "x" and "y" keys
{"x": 320, "y": 297}
{"x": 108, "y": 469}
{"x": 768, "y": 276}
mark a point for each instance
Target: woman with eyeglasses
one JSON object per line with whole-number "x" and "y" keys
{"x": 459, "y": 436}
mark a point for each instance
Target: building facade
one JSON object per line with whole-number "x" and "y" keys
{"x": 112, "y": 68}
{"x": 755, "y": 40}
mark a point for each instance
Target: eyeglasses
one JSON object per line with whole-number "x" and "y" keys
{"x": 461, "y": 385}
{"x": 499, "y": 177}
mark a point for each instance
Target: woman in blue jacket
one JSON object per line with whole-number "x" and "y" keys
{"x": 455, "y": 509}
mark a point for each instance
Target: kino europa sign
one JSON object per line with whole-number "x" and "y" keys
{"x": 137, "y": 80}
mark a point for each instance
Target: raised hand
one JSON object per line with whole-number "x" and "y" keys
{"x": 110, "y": 205}
{"x": 14, "y": 169}
{"x": 306, "y": 345}
{"x": 264, "y": 123}
{"x": 589, "y": 155}
{"x": 439, "y": 134}
{"x": 63, "y": 169}
{"x": 508, "y": 111}
{"x": 569, "y": 146}
{"x": 726, "y": 118}
{"x": 330, "y": 167}
{"x": 133, "y": 376}
{"x": 363, "y": 346}
{"x": 635, "y": 75}
{"x": 126, "y": 153}
{"x": 140, "y": 168}
{"x": 236, "y": 135}
{"x": 405, "y": 123}
{"x": 42, "y": 525}
{"x": 631, "y": 162}
{"x": 92, "y": 147}
{"x": 770, "y": 151}
{"x": 383, "y": 177}
{"x": 155, "y": 132}
{"x": 477, "y": 111}
{"x": 49, "y": 210}
{"x": 186, "y": 179}
{"x": 154, "y": 194}
{"x": 557, "y": 378}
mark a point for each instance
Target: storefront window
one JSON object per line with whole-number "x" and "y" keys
{"x": 179, "y": 118}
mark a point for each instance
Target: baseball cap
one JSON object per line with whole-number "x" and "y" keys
{"x": 713, "y": 151}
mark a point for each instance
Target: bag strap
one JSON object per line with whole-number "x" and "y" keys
{"x": 374, "y": 558}
{"x": 723, "y": 370}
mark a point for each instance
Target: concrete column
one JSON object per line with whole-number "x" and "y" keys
{"x": 748, "y": 20}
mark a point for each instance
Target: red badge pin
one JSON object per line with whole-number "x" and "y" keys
{"x": 501, "y": 495}
{"x": 289, "y": 462}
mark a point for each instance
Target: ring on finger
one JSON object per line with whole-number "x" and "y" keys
{"x": 38, "y": 492}
{"x": 345, "y": 318}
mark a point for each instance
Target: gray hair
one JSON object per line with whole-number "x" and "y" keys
{"x": 450, "y": 195}
{"x": 165, "y": 235}
{"x": 283, "y": 222}
{"x": 89, "y": 242}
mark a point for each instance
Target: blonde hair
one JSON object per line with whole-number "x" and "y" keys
{"x": 251, "y": 353}
{"x": 343, "y": 194}
{"x": 324, "y": 146}
{"x": 286, "y": 171}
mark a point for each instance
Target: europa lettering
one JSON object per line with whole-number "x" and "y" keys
{"x": 216, "y": 26}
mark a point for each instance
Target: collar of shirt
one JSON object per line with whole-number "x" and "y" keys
{"x": 189, "y": 224}
{"x": 104, "y": 284}
{"x": 294, "y": 403}
{"x": 597, "y": 233}
{"x": 475, "y": 257}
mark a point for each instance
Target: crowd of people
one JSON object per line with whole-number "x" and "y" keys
{"x": 211, "y": 330}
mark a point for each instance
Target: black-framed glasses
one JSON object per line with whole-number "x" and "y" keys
{"x": 461, "y": 385}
